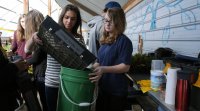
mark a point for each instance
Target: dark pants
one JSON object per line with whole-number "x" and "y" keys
{"x": 51, "y": 98}
{"x": 107, "y": 102}
{"x": 41, "y": 89}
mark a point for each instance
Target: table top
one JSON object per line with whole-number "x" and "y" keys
{"x": 157, "y": 96}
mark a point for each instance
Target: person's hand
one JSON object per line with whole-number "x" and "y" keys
{"x": 97, "y": 73}
{"x": 9, "y": 54}
{"x": 21, "y": 65}
{"x": 36, "y": 39}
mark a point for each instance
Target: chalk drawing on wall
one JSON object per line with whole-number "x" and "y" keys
{"x": 147, "y": 18}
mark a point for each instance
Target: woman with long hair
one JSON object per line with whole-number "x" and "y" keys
{"x": 39, "y": 57}
{"x": 70, "y": 20}
{"x": 113, "y": 61}
{"x": 19, "y": 41}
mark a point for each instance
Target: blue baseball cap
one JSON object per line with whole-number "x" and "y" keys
{"x": 112, "y": 4}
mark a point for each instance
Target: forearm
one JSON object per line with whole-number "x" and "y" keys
{"x": 116, "y": 69}
{"x": 29, "y": 46}
{"x": 14, "y": 43}
{"x": 14, "y": 46}
{"x": 37, "y": 57}
{"x": 121, "y": 68}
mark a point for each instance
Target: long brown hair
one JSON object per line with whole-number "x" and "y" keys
{"x": 32, "y": 22}
{"x": 20, "y": 29}
{"x": 78, "y": 24}
{"x": 117, "y": 16}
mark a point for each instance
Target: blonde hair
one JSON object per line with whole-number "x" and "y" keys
{"x": 118, "y": 19}
{"x": 20, "y": 29}
{"x": 32, "y": 22}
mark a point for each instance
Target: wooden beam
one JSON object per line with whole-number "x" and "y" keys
{"x": 49, "y": 7}
{"x": 83, "y": 7}
{"x": 130, "y": 4}
{"x": 26, "y": 6}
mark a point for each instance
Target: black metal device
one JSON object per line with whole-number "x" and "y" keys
{"x": 63, "y": 46}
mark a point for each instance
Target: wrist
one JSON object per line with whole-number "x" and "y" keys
{"x": 103, "y": 68}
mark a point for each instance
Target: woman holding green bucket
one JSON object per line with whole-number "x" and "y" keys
{"x": 113, "y": 61}
{"x": 69, "y": 19}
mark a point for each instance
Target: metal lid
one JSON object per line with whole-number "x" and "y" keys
{"x": 184, "y": 74}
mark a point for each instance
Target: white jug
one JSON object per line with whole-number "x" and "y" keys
{"x": 171, "y": 85}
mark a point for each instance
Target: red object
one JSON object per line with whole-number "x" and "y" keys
{"x": 182, "y": 91}
{"x": 182, "y": 95}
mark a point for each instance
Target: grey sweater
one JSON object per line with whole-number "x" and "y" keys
{"x": 95, "y": 34}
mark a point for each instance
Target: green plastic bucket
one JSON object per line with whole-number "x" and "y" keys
{"x": 76, "y": 90}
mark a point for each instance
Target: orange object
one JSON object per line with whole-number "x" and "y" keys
{"x": 197, "y": 84}
{"x": 168, "y": 65}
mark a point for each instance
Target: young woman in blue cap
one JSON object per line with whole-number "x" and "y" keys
{"x": 96, "y": 24}
{"x": 113, "y": 61}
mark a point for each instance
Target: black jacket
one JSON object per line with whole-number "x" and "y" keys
{"x": 8, "y": 84}
{"x": 39, "y": 62}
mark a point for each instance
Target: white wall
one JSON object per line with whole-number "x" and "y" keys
{"x": 166, "y": 23}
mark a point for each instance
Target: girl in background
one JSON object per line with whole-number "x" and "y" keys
{"x": 39, "y": 57}
{"x": 18, "y": 42}
{"x": 17, "y": 46}
{"x": 113, "y": 61}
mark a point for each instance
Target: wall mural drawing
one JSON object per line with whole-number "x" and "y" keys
{"x": 166, "y": 23}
